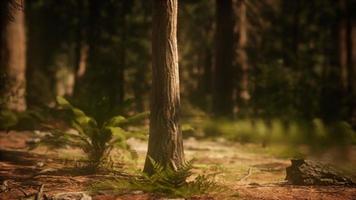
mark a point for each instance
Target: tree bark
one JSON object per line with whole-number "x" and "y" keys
{"x": 13, "y": 55}
{"x": 165, "y": 144}
{"x": 223, "y": 80}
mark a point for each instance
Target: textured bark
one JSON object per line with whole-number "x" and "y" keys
{"x": 223, "y": 69}
{"x": 165, "y": 140}
{"x": 13, "y": 55}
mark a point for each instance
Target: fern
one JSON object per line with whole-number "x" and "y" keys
{"x": 165, "y": 181}
{"x": 96, "y": 141}
{"x": 170, "y": 177}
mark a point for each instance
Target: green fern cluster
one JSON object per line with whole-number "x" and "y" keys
{"x": 165, "y": 181}
{"x": 96, "y": 141}
{"x": 168, "y": 177}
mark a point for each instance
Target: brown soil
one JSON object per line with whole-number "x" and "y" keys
{"x": 251, "y": 175}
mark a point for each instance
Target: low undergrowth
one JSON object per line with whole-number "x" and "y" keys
{"x": 96, "y": 140}
{"x": 165, "y": 182}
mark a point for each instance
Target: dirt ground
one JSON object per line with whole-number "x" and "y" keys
{"x": 251, "y": 175}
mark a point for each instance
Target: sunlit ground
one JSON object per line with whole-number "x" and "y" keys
{"x": 249, "y": 170}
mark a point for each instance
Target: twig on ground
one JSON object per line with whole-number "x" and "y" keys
{"x": 39, "y": 195}
{"x": 249, "y": 173}
{"x": 23, "y": 191}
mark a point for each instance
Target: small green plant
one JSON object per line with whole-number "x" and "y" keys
{"x": 96, "y": 141}
{"x": 26, "y": 120}
{"x": 164, "y": 182}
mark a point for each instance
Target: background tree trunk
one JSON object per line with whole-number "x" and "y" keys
{"x": 165, "y": 140}
{"x": 81, "y": 46}
{"x": 241, "y": 60}
{"x": 13, "y": 55}
{"x": 344, "y": 34}
{"x": 345, "y": 58}
{"x": 352, "y": 66}
{"x": 123, "y": 62}
{"x": 223, "y": 80}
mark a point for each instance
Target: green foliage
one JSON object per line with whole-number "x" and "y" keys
{"x": 27, "y": 120}
{"x": 7, "y": 119}
{"x": 96, "y": 141}
{"x": 314, "y": 133}
{"x": 165, "y": 181}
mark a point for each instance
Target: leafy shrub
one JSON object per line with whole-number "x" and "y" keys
{"x": 8, "y": 119}
{"x": 26, "y": 120}
{"x": 165, "y": 181}
{"x": 96, "y": 141}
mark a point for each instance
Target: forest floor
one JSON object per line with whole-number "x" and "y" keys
{"x": 251, "y": 172}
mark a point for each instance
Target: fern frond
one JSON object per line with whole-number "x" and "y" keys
{"x": 96, "y": 142}
{"x": 165, "y": 181}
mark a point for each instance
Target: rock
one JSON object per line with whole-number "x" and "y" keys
{"x": 33, "y": 141}
{"x": 71, "y": 196}
{"x": 306, "y": 172}
{"x": 39, "y": 164}
{"x": 4, "y": 187}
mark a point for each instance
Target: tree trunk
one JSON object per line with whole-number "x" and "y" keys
{"x": 352, "y": 71}
{"x": 165, "y": 144}
{"x": 223, "y": 80}
{"x": 13, "y": 55}
{"x": 81, "y": 48}
{"x": 346, "y": 59}
{"x": 121, "y": 70}
{"x": 240, "y": 52}
{"x": 344, "y": 33}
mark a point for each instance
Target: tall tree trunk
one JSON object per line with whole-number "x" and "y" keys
{"x": 345, "y": 58}
{"x": 165, "y": 144}
{"x": 81, "y": 48}
{"x": 40, "y": 76}
{"x": 121, "y": 70}
{"x": 344, "y": 34}
{"x": 290, "y": 49}
{"x": 13, "y": 55}
{"x": 223, "y": 80}
{"x": 81, "y": 56}
{"x": 240, "y": 52}
{"x": 204, "y": 82}
{"x": 352, "y": 66}
{"x": 104, "y": 74}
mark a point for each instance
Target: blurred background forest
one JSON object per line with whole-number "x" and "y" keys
{"x": 250, "y": 70}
